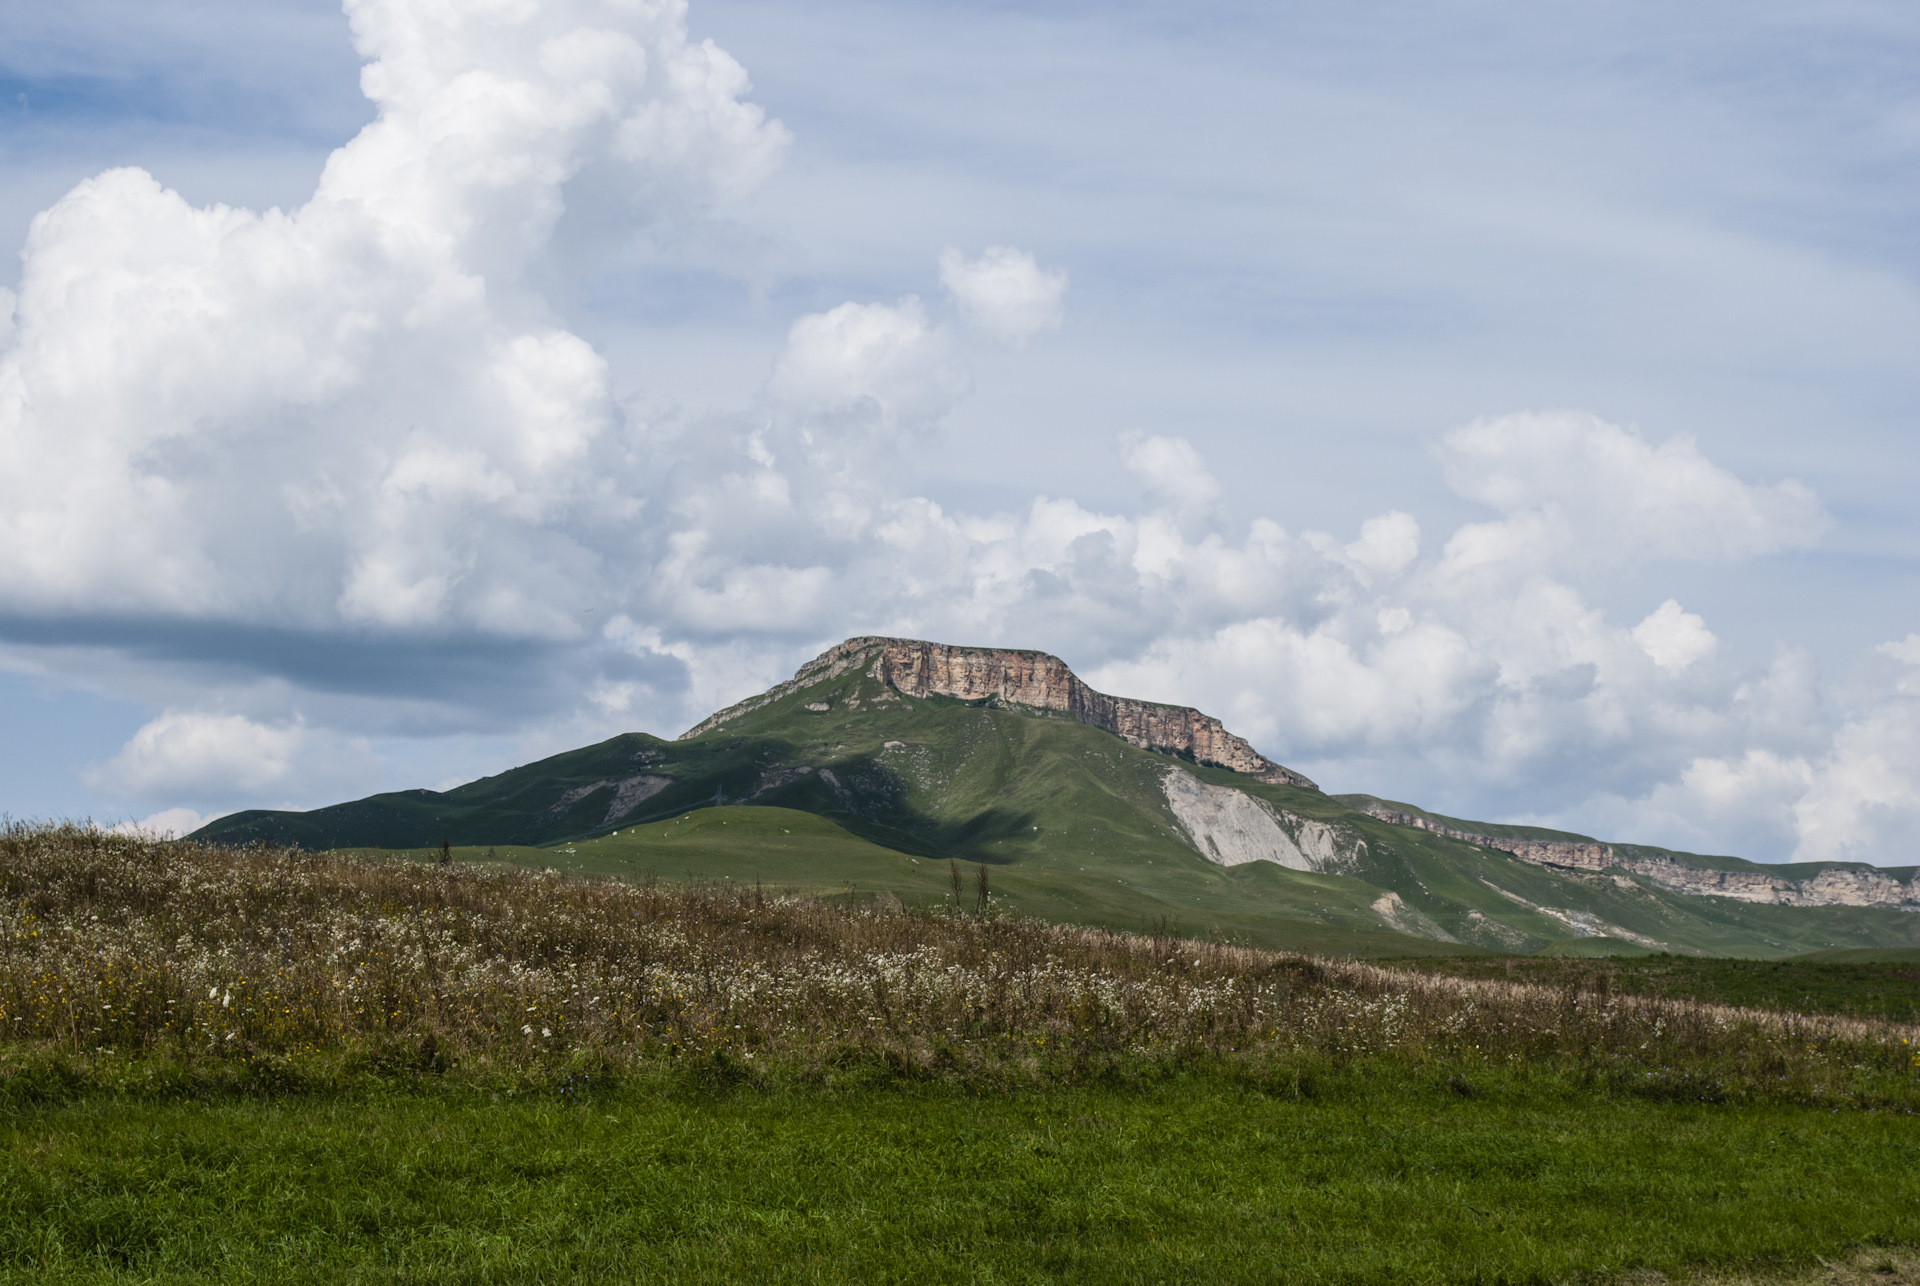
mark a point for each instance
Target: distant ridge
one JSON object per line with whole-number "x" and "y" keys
{"x": 885, "y": 758}
{"x": 1034, "y": 680}
{"x": 1824, "y": 884}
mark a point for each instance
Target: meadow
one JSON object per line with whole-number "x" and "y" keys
{"x": 226, "y": 1063}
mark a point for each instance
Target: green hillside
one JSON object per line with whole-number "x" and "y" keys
{"x": 846, "y": 782}
{"x": 788, "y": 851}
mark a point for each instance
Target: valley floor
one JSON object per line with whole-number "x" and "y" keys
{"x": 1380, "y": 1174}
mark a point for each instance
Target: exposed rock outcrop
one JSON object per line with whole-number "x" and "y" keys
{"x": 1834, "y": 885}
{"x": 1579, "y": 855}
{"x": 1034, "y": 680}
{"x": 1231, "y": 827}
{"x": 628, "y": 794}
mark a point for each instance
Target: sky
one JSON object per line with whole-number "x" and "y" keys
{"x": 1505, "y": 409}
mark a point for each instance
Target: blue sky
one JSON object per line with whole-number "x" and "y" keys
{"x": 1267, "y": 269}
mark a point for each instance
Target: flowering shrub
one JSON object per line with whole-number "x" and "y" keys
{"x": 118, "y": 945}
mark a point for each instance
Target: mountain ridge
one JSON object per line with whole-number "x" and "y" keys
{"x": 1087, "y": 808}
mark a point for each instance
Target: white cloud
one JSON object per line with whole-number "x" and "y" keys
{"x": 1320, "y": 691}
{"x": 1864, "y": 801}
{"x": 201, "y": 755}
{"x": 1823, "y": 790}
{"x": 881, "y": 362}
{"x": 357, "y": 410}
{"x": 1005, "y": 292}
{"x": 1387, "y": 544}
{"x": 1742, "y": 805}
{"x": 1907, "y": 651}
{"x": 168, "y": 823}
{"x": 1674, "y": 638}
{"x": 1171, "y": 469}
{"x": 1576, "y": 488}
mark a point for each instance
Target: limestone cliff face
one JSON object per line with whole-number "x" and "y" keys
{"x": 1035, "y": 680}
{"x": 1585, "y": 857}
{"x": 1833, "y": 886}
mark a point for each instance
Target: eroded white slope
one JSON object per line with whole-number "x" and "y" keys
{"x": 1231, "y": 827}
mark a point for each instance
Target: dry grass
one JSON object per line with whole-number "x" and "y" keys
{"x": 118, "y": 948}
{"x": 1864, "y": 1266}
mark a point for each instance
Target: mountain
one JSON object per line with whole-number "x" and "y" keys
{"x": 884, "y": 757}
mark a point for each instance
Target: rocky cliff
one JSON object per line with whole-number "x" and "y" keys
{"x": 1584, "y": 856}
{"x": 1035, "y": 680}
{"x": 1832, "y": 885}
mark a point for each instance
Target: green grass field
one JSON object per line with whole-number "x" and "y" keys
{"x": 1380, "y": 1175}
{"x": 241, "y": 1065}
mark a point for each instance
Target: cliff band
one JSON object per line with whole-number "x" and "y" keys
{"x": 1035, "y": 680}
{"x": 1834, "y": 886}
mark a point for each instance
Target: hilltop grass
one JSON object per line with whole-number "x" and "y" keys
{"x": 221, "y": 1064}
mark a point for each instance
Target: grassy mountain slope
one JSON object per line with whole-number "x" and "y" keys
{"x": 786, "y": 849}
{"x": 1073, "y": 823}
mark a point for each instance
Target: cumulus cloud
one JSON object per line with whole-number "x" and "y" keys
{"x": 186, "y": 753}
{"x": 1741, "y": 804}
{"x": 1852, "y": 796}
{"x": 1171, "y": 470}
{"x": 1573, "y": 487}
{"x": 883, "y": 363}
{"x": 1674, "y": 638}
{"x": 168, "y": 823}
{"x": 1387, "y": 544}
{"x": 1863, "y": 803}
{"x": 356, "y": 410}
{"x": 1005, "y": 293}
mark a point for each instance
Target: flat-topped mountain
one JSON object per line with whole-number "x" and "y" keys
{"x": 1032, "y": 680}
{"x": 883, "y": 757}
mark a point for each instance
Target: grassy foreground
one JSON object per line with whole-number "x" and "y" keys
{"x": 1377, "y": 1176}
{"x": 221, "y": 1064}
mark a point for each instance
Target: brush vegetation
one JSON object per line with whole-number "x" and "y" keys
{"x": 278, "y": 966}
{"x": 223, "y": 1062}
